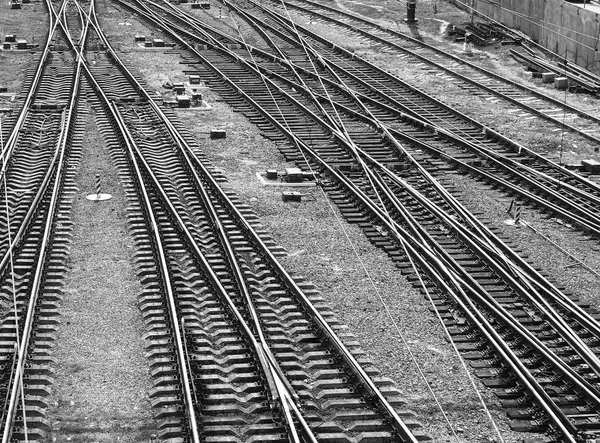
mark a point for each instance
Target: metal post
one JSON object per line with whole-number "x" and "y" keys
{"x": 98, "y": 184}
{"x": 411, "y": 10}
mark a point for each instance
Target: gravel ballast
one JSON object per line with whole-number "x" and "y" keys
{"x": 101, "y": 379}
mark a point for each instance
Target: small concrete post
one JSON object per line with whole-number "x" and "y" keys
{"x": 468, "y": 46}
{"x": 411, "y": 11}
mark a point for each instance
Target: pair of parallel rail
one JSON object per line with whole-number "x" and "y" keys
{"x": 385, "y": 188}
{"x": 237, "y": 346}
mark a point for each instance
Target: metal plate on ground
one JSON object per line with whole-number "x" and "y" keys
{"x": 98, "y": 197}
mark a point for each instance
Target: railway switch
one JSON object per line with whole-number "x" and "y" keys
{"x": 289, "y": 196}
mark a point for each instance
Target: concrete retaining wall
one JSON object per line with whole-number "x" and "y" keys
{"x": 563, "y": 28}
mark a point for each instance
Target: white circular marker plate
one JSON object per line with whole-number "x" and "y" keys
{"x": 511, "y": 222}
{"x": 98, "y": 197}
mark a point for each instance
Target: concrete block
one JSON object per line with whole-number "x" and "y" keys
{"x": 179, "y": 88}
{"x": 21, "y": 43}
{"x": 291, "y": 196}
{"x": 6, "y": 46}
{"x": 194, "y": 79}
{"x": 205, "y": 5}
{"x": 217, "y": 133}
{"x": 293, "y": 175}
{"x": 548, "y": 77}
{"x": 561, "y": 83}
{"x": 15, "y": 6}
{"x": 158, "y": 43}
{"x": 140, "y": 38}
{"x": 196, "y": 6}
{"x": 183, "y": 101}
{"x": 12, "y": 38}
{"x": 591, "y": 165}
{"x": 272, "y": 174}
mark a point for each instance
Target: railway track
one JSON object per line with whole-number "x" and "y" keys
{"x": 239, "y": 349}
{"x": 414, "y": 122}
{"x": 472, "y": 78}
{"x": 39, "y": 159}
{"x": 282, "y": 337}
{"x": 407, "y": 213}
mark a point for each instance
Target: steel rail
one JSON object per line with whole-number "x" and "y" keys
{"x": 395, "y": 421}
{"x": 12, "y": 143}
{"x": 279, "y": 385}
{"x": 12, "y": 138}
{"x": 495, "y": 158}
{"x": 501, "y": 162}
{"x": 589, "y": 321}
{"x": 163, "y": 267}
{"x": 57, "y": 165}
{"x": 552, "y": 410}
{"x": 454, "y": 73}
{"x": 273, "y": 374}
{"x": 479, "y": 149}
{"x": 36, "y": 287}
{"x": 39, "y": 276}
{"x": 564, "y": 330}
{"x": 282, "y": 386}
{"x": 276, "y": 374}
{"x": 439, "y": 274}
{"x": 485, "y": 129}
{"x": 550, "y": 407}
{"x": 467, "y": 237}
{"x": 541, "y": 303}
{"x": 81, "y": 63}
